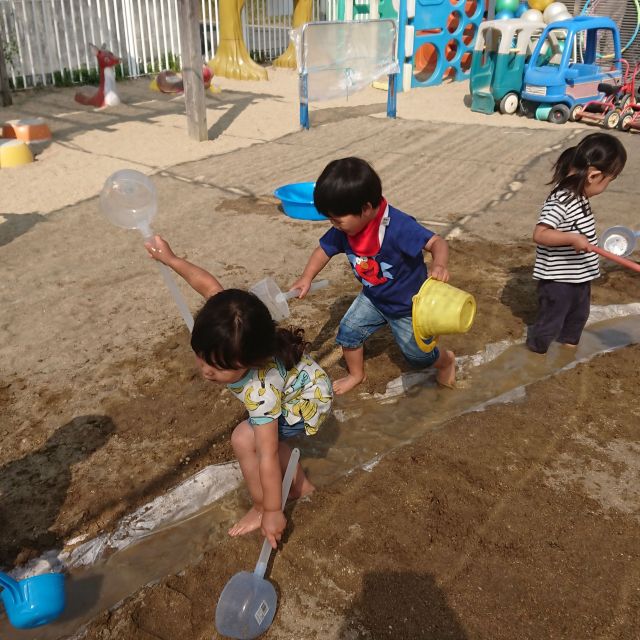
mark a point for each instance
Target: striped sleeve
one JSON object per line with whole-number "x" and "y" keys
{"x": 553, "y": 214}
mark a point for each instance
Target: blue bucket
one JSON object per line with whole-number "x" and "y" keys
{"x": 297, "y": 201}
{"x": 33, "y": 602}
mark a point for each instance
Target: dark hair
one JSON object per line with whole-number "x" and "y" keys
{"x": 234, "y": 329}
{"x": 600, "y": 150}
{"x": 345, "y": 187}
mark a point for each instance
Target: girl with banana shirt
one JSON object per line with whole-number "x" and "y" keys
{"x": 286, "y": 393}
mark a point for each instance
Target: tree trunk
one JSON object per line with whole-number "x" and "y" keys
{"x": 4, "y": 78}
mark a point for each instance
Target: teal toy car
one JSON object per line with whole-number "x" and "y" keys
{"x": 500, "y": 54}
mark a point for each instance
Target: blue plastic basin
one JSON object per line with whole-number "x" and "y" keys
{"x": 297, "y": 201}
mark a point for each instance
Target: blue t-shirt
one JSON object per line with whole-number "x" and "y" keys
{"x": 394, "y": 275}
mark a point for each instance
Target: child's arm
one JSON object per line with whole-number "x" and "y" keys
{"x": 316, "y": 263}
{"x": 202, "y": 281}
{"x": 273, "y": 520}
{"x": 549, "y": 237}
{"x": 439, "y": 249}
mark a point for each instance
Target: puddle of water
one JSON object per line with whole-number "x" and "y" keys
{"x": 93, "y": 589}
{"x": 367, "y": 431}
{"x": 372, "y": 429}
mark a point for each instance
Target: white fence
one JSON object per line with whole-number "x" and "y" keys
{"x": 47, "y": 41}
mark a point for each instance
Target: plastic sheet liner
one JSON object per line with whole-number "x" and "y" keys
{"x": 340, "y": 58}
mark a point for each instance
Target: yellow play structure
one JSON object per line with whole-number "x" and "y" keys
{"x": 232, "y": 60}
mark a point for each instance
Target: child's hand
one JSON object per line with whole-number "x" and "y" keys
{"x": 273, "y": 524}
{"x": 160, "y": 250}
{"x": 580, "y": 243}
{"x": 439, "y": 272}
{"x": 302, "y": 284}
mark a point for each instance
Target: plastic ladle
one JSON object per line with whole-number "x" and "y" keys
{"x": 634, "y": 266}
{"x": 247, "y": 604}
{"x": 275, "y": 300}
{"x": 129, "y": 200}
{"x": 34, "y": 601}
{"x": 619, "y": 240}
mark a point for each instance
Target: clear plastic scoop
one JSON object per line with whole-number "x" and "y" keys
{"x": 275, "y": 300}
{"x": 247, "y": 604}
{"x": 619, "y": 240}
{"x": 129, "y": 200}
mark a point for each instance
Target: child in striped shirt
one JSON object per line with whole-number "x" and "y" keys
{"x": 564, "y": 234}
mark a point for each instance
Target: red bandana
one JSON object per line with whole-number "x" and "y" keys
{"x": 367, "y": 241}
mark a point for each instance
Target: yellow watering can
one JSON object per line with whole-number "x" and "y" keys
{"x": 440, "y": 308}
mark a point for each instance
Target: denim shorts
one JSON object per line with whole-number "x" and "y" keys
{"x": 286, "y": 430}
{"x": 363, "y": 319}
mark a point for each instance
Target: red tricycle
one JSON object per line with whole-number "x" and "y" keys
{"x": 630, "y": 114}
{"x": 608, "y": 109}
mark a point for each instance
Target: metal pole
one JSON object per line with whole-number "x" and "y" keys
{"x": 304, "y": 101}
{"x": 391, "y": 96}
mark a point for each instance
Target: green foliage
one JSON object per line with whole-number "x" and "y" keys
{"x": 261, "y": 57}
{"x": 160, "y": 64}
{"x": 83, "y": 75}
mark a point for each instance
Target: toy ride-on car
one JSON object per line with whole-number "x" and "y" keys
{"x": 500, "y": 53}
{"x": 567, "y": 68}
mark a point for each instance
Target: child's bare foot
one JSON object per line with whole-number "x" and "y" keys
{"x": 447, "y": 374}
{"x": 249, "y": 522}
{"x": 346, "y": 384}
{"x": 305, "y": 490}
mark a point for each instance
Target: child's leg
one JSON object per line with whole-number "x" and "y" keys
{"x": 300, "y": 486}
{"x": 243, "y": 441}
{"x": 553, "y": 306}
{"x": 361, "y": 320}
{"x": 444, "y": 361}
{"x": 354, "y": 359}
{"x": 446, "y": 366}
{"x": 577, "y": 316}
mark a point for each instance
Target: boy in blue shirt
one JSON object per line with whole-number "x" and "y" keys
{"x": 384, "y": 247}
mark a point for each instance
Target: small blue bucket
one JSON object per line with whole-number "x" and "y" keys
{"x": 34, "y": 601}
{"x": 297, "y": 201}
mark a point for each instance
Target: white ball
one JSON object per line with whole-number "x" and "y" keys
{"x": 554, "y": 12}
{"x": 532, "y": 15}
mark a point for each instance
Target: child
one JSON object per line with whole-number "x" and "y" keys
{"x": 286, "y": 393}
{"x": 384, "y": 246}
{"x": 565, "y": 264}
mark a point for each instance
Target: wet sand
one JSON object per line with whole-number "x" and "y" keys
{"x": 518, "y": 521}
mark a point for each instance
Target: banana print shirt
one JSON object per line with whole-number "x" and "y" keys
{"x": 302, "y": 393}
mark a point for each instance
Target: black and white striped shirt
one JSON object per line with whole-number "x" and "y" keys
{"x": 567, "y": 212}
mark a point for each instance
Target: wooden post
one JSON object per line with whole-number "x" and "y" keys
{"x": 4, "y": 78}
{"x": 191, "y": 56}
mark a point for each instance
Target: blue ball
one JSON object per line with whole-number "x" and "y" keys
{"x": 521, "y": 9}
{"x": 504, "y": 15}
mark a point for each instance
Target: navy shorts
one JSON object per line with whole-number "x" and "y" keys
{"x": 286, "y": 430}
{"x": 563, "y": 310}
{"x": 363, "y": 319}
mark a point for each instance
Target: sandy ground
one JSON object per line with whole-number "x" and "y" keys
{"x": 520, "y": 521}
